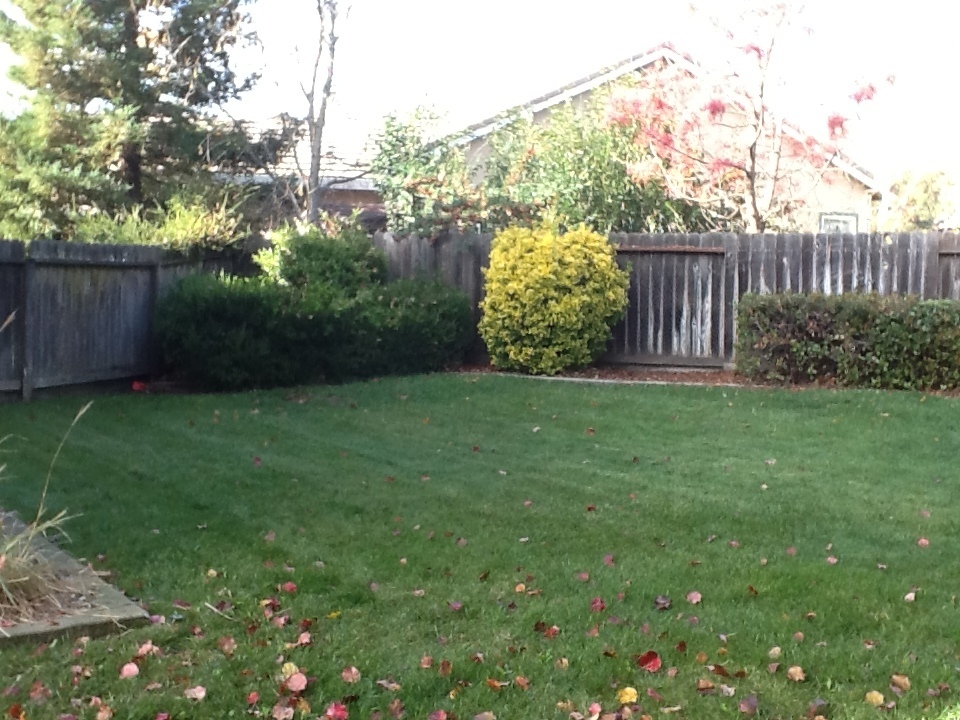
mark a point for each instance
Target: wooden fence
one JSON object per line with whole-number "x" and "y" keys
{"x": 684, "y": 288}
{"x": 83, "y": 313}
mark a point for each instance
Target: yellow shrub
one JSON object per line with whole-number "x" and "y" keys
{"x": 550, "y": 299}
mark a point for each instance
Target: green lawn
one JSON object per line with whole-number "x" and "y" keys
{"x": 459, "y": 518}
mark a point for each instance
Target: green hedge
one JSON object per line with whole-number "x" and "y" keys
{"x": 222, "y": 333}
{"x": 854, "y": 340}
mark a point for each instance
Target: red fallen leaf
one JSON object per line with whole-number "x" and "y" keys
{"x": 694, "y": 598}
{"x": 227, "y": 645}
{"x": 748, "y": 705}
{"x": 446, "y": 667}
{"x": 583, "y": 577}
{"x": 39, "y": 692}
{"x": 597, "y": 605}
{"x": 162, "y": 716}
{"x": 289, "y": 587}
{"x": 253, "y": 698}
{"x": 551, "y": 632}
{"x": 437, "y": 715}
{"x": 336, "y": 711}
{"x": 591, "y": 508}
{"x": 649, "y": 661}
{"x": 593, "y": 632}
{"x": 455, "y": 606}
{"x": 657, "y": 697}
{"x": 682, "y": 646}
{"x": 923, "y": 542}
{"x": 718, "y": 670}
{"x": 608, "y": 560}
{"x": 128, "y": 671}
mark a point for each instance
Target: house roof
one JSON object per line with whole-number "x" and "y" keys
{"x": 663, "y": 52}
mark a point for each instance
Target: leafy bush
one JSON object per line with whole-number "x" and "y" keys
{"x": 341, "y": 256}
{"x": 228, "y": 334}
{"x": 853, "y": 340}
{"x": 551, "y": 299}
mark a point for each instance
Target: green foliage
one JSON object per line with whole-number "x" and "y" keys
{"x": 853, "y": 340}
{"x": 551, "y": 299}
{"x": 338, "y": 253}
{"x": 118, "y": 101}
{"x": 576, "y": 166}
{"x": 187, "y": 223}
{"x": 426, "y": 184}
{"x": 919, "y": 202}
{"x": 226, "y": 334}
{"x": 321, "y": 311}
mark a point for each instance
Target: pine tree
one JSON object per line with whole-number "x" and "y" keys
{"x": 120, "y": 94}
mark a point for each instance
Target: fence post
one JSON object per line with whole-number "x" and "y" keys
{"x": 26, "y": 333}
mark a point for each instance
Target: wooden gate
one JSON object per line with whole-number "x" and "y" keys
{"x": 681, "y": 300}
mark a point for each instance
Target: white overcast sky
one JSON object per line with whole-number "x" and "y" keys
{"x": 470, "y": 59}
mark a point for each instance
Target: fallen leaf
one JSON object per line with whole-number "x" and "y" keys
{"x": 923, "y": 542}
{"x": 282, "y": 711}
{"x": 446, "y": 667}
{"x": 477, "y": 658}
{"x": 910, "y": 596}
{"x": 227, "y": 645}
{"x": 437, "y": 715}
{"x": 336, "y": 711}
{"x": 693, "y": 597}
{"x": 649, "y": 661}
{"x": 583, "y": 577}
{"x": 39, "y": 692}
{"x": 873, "y": 698}
{"x": 197, "y": 693}
{"x": 128, "y": 671}
{"x": 296, "y": 683}
{"x": 597, "y": 605}
{"x": 253, "y": 698}
{"x": 455, "y": 605}
{"x": 719, "y": 670}
{"x": 521, "y": 682}
{"x": 774, "y": 652}
{"x": 705, "y": 687}
{"x": 495, "y": 684}
{"x": 748, "y": 705}
{"x": 727, "y": 690}
{"x": 662, "y": 602}
{"x": 388, "y": 684}
{"x": 608, "y": 560}
{"x": 485, "y": 716}
{"x": 270, "y": 536}
{"x": 395, "y": 708}
{"x": 795, "y": 673}
{"x": 901, "y": 682}
{"x": 772, "y": 668}
{"x": 627, "y": 696}
{"x": 426, "y": 662}
{"x": 831, "y": 560}
{"x": 350, "y": 675}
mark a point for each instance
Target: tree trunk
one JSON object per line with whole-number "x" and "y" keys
{"x": 318, "y": 112}
{"x": 132, "y": 155}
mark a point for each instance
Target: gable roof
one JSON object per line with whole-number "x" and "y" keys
{"x": 663, "y": 52}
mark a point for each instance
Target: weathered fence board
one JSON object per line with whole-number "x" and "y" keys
{"x": 83, "y": 312}
{"x": 684, "y": 288}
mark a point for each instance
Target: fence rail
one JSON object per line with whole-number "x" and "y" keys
{"x": 82, "y": 313}
{"x": 684, "y": 289}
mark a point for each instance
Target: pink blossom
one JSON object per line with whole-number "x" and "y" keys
{"x": 716, "y": 108}
{"x": 835, "y": 124}
{"x": 864, "y": 93}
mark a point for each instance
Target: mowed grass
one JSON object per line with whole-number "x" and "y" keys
{"x": 455, "y": 517}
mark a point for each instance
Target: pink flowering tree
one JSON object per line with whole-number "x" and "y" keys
{"x": 712, "y": 139}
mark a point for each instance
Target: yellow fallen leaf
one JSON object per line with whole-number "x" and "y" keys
{"x": 334, "y": 615}
{"x": 289, "y": 669}
{"x": 874, "y": 698}
{"x": 627, "y": 695}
